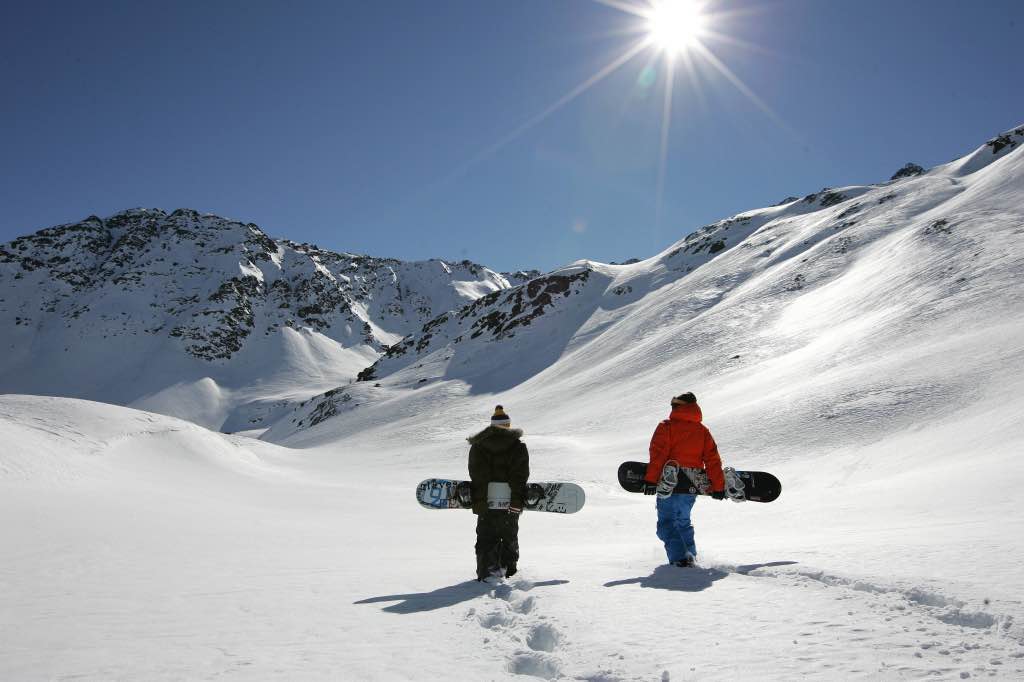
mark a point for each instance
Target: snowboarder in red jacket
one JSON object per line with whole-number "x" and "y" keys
{"x": 684, "y": 439}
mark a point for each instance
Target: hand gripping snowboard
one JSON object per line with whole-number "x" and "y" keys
{"x": 740, "y": 486}
{"x": 557, "y": 498}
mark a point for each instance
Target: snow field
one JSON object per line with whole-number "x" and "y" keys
{"x": 164, "y": 551}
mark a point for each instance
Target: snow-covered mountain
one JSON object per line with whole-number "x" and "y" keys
{"x": 830, "y": 291}
{"x": 205, "y": 318}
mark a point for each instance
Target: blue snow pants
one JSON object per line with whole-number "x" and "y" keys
{"x": 674, "y": 527}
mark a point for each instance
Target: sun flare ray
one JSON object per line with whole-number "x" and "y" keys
{"x": 666, "y": 125}
{"x": 537, "y": 118}
{"x": 693, "y": 78}
{"x": 720, "y": 66}
{"x": 627, "y": 7}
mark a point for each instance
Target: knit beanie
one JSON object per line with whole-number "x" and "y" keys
{"x": 499, "y": 418}
{"x": 684, "y": 399}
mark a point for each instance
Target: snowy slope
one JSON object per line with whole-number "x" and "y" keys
{"x": 205, "y": 318}
{"x": 865, "y": 344}
{"x": 862, "y": 296}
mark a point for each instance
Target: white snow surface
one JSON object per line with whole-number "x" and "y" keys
{"x": 868, "y": 352}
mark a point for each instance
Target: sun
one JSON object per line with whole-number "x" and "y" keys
{"x": 676, "y": 26}
{"x": 677, "y": 38}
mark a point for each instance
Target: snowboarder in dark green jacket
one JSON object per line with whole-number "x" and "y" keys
{"x": 498, "y": 455}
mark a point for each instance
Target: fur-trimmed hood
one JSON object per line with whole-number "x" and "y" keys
{"x": 497, "y": 432}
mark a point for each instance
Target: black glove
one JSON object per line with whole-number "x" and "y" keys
{"x": 649, "y": 488}
{"x": 718, "y": 495}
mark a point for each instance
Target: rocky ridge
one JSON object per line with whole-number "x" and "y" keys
{"x": 211, "y": 283}
{"x": 205, "y": 318}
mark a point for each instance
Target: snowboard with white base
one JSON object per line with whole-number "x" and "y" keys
{"x": 545, "y": 496}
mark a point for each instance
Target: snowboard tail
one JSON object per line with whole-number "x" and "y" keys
{"x": 740, "y": 486}
{"x": 546, "y": 496}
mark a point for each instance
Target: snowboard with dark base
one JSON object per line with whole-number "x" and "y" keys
{"x": 557, "y": 498}
{"x": 740, "y": 486}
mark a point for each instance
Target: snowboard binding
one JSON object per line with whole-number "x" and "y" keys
{"x": 534, "y": 495}
{"x": 733, "y": 485}
{"x": 464, "y": 493}
{"x": 669, "y": 479}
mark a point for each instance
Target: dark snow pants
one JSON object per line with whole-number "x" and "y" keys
{"x": 497, "y": 542}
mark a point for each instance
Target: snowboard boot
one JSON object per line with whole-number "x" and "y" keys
{"x": 495, "y": 576}
{"x": 490, "y": 574}
{"x": 669, "y": 479}
{"x": 686, "y": 562}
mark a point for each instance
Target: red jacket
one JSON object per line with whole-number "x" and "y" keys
{"x": 683, "y": 438}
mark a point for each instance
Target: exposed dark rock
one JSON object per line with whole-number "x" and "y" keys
{"x": 825, "y": 198}
{"x": 908, "y": 171}
{"x": 497, "y": 316}
{"x": 1006, "y": 140}
{"x": 207, "y": 275}
{"x": 940, "y": 226}
{"x": 521, "y": 276}
{"x": 852, "y": 210}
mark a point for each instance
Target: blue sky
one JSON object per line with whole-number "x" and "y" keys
{"x": 371, "y": 127}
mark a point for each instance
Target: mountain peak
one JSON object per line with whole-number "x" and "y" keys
{"x": 909, "y": 170}
{"x": 192, "y": 288}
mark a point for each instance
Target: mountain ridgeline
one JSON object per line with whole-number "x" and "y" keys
{"x": 936, "y": 231}
{"x": 212, "y": 320}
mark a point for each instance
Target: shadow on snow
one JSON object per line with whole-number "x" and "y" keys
{"x": 694, "y": 579}
{"x": 668, "y": 577}
{"x": 418, "y": 602}
{"x": 748, "y": 568}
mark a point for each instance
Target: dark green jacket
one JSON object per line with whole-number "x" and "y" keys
{"x": 497, "y": 454}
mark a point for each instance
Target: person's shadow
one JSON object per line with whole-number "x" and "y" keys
{"x": 695, "y": 579}
{"x": 418, "y": 602}
{"x": 668, "y": 577}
